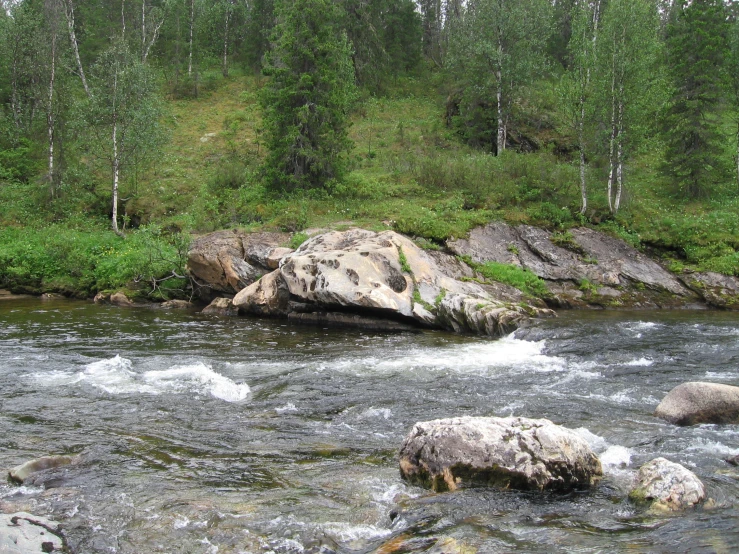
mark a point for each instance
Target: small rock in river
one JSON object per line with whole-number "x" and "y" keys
{"x": 667, "y": 486}
{"x": 24, "y": 533}
{"x": 697, "y": 402}
{"x": 20, "y": 473}
{"x": 511, "y": 452}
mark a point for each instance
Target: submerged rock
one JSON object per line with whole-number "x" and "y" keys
{"x": 177, "y": 305}
{"x": 22, "y": 472}
{"x": 24, "y": 533}
{"x": 667, "y": 486}
{"x": 511, "y": 452}
{"x": 698, "y": 402}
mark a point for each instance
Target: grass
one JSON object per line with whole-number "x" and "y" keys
{"x": 407, "y": 172}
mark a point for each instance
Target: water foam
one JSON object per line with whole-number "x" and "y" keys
{"x": 615, "y": 457}
{"x": 479, "y": 357}
{"x": 116, "y": 376}
{"x": 641, "y": 362}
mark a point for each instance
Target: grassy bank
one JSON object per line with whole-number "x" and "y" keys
{"x": 408, "y": 172}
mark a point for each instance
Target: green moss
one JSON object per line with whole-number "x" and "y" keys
{"x": 404, "y": 265}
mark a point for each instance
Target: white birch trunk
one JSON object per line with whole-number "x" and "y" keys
{"x": 116, "y": 160}
{"x": 143, "y": 30}
{"x": 620, "y": 152}
{"x": 581, "y": 141}
{"x": 225, "y": 44}
{"x": 69, "y": 13}
{"x": 123, "y": 19}
{"x": 192, "y": 27}
{"x": 501, "y": 130}
{"x": 612, "y": 141}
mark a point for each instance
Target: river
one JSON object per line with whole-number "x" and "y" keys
{"x": 227, "y": 435}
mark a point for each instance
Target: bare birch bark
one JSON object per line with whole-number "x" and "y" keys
{"x": 225, "y": 44}
{"x": 620, "y": 152}
{"x": 50, "y": 113}
{"x": 116, "y": 161}
{"x": 612, "y": 142}
{"x": 123, "y": 19}
{"x": 143, "y": 30}
{"x": 192, "y": 26}
{"x": 69, "y": 14}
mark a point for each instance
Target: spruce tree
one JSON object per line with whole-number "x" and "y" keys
{"x": 307, "y": 99}
{"x": 697, "y": 44}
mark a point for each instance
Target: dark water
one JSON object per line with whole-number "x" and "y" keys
{"x": 210, "y": 435}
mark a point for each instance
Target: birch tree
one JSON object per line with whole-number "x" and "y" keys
{"x": 122, "y": 115}
{"x": 497, "y": 49}
{"x": 628, "y": 79}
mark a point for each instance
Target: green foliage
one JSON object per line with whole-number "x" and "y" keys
{"x": 697, "y": 44}
{"x": 404, "y": 266}
{"x": 307, "y": 100}
{"x": 84, "y": 261}
{"x": 515, "y": 276}
{"x": 297, "y": 239}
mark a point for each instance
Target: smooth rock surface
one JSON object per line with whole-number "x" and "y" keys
{"x": 228, "y": 261}
{"x": 698, "y": 402}
{"x": 221, "y": 306}
{"x": 667, "y": 486}
{"x": 364, "y": 271}
{"x": 24, "y": 533}
{"x": 20, "y": 473}
{"x": 511, "y": 452}
{"x": 120, "y": 299}
{"x": 268, "y": 296}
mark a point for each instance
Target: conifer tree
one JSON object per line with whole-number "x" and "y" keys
{"x": 697, "y": 43}
{"x": 307, "y": 99}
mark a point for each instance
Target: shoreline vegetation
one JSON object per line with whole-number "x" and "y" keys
{"x": 429, "y": 158}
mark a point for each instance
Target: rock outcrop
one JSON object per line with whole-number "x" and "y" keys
{"x": 227, "y": 261}
{"x": 581, "y": 267}
{"x": 697, "y": 402}
{"x": 717, "y": 290}
{"x": 667, "y": 486}
{"x": 511, "y": 452}
{"x": 221, "y": 306}
{"x": 384, "y": 275}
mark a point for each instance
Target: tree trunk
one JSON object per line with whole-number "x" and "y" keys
{"x": 123, "y": 19}
{"x": 143, "y": 30}
{"x": 620, "y": 151}
{"x": 225, "y": 44}
{"x": 192, "y": 27}
{"x": 612, "y": 141}
{"x": 69, "y": 13}
{"x": 581, "y": 142}
{"x": 116, "y": 174}
{"x": 50, "y": 115}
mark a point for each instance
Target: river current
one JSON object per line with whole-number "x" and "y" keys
{"x": 233, "y": 435}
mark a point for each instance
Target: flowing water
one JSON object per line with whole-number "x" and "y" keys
{"x": 205, "y": 435}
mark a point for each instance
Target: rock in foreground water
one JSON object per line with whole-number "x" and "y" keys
{"x": 20, "y": 473}
{"x": 697, "y": 402}
{"x": 23, "y": 533}
{"x": 511, "y": 452}
{"x": 667, "y": 486}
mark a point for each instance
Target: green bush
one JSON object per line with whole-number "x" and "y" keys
{"x": 515, "y": 276}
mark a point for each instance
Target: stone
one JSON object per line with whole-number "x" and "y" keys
{"x": 667, "y": 486}
{"x": 52, "y": 296}
{"x": 228, "y": 261}
{"x": 387, "y": 274}
{"x": 275, "y": 256}
{"x": 22, "y": 472}
{"x": 351, "y": 321}
{"x": 177, "y": 305}
{"x": 608, "y": 263}
{"x": 101, "y": 298}
{"x": 221, "y": 306}
{"x": 269, "y": 296}
{"x": 511, "y": 452}
{"x": 120, "y": 299}
{"x": 24, "y": 533}
{"x": 697, "y": 402}
{"x": 717, "y": 290}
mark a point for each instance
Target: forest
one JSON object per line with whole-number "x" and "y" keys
{"x": 129, "y": 126}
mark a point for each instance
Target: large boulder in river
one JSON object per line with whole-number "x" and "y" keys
{"x": 225, "y": 262}
{"x": 667, "y": 486}
{"x": 511, "y": 452}
{"x": 616, "y": 272}
{"x": 697, "y": 402}
{"x": 268, "y": 296}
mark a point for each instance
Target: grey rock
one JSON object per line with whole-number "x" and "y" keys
{"x": 609, "y": 263}
{"x": 351, "y": 321}
{"x": 120, "y": 299}
{"x": 510, "y": 452}
{"x": 177, "y": 305}
{"x": 101, "y": 298}
{"x": 24, "y": 533}
{"x": 22, "y": 472}
{"x": 268, "y": 296}
{"x": 667, "y": 486}
{"x": 228, "y": 261}
{"x": 221, "y": 306}
{"x": 717, "y": 290}
{"x": 698, "y": 402}
{"x": 364, "y": 271}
